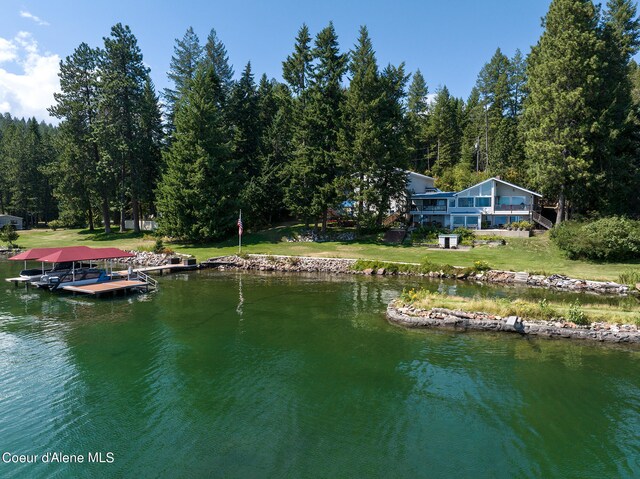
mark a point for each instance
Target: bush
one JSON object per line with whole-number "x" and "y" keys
{"x": 9, "y": 235}
{"x": 426, "y": 234}
{"x": 576, "y": 314}
{"x": 479, "y": 266}
{"x": 607, "y": 239}
{"x": 466, "y": 235}
{"x": 630, "y": 277}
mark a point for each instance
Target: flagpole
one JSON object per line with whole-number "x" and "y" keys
{"x": 240, "y": 234}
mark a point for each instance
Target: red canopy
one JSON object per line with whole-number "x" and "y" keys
{"x": 34, "y": 253}
{"x": 84, "y": 253}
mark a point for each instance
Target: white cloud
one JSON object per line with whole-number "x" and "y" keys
{"x": 27, "y": 90}
{"x": 31, "y": 16}
{"x": 7, "y": 50}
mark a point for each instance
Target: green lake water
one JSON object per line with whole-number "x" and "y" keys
{"x": 270, "y": 375}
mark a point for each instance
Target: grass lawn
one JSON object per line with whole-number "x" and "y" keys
{"x": 536, "y": 254}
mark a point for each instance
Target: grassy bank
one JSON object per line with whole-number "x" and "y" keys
{"x": 536, "y": 255}
{"x": 541, "y": 310}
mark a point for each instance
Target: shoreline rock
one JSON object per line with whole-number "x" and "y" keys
{"x": 441, "y": 318}
{"x": 308, "y": 264}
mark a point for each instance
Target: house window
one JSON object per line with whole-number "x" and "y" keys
{"x": 518, "y": 201}
{"x": 472, "y": 222}
{"x": 500, "y": 220}
{"x": 452, "y": 203}
{"x": 483, "y": 202}
{"x": 458, "y": 221}
{"x": 465, "y": 202}
{"x": 486, "y": 189}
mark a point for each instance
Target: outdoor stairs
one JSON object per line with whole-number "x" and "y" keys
{"x": 541, "y": 220}
{"x": 395, "y": 236}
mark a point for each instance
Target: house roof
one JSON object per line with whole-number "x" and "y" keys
{"x": 503, "y": 182}
{"x": 11, "y": 216}
{"x": 437, "y": 194}
{"x": 409, "y": 172}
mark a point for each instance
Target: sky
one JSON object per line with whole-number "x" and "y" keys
{"x": 449, "y": 41}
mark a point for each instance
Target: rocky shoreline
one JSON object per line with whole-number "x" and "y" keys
{"x": 441, "y": 318}
{"x": 345, "y": 266}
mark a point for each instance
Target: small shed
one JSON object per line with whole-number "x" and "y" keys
{"x": 11, "y": 220}
{"x": 448, "y": 241}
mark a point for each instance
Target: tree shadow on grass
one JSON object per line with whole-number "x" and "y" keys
{"x": 100, "y": 235}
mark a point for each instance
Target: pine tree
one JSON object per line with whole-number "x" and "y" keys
{"x": 563, "y": 84}
{"x": 445, "y": 131}
{"x": 123, "y": 76}
{"x": 616, "y": 145}
{"x": 297, "y": 67}
{"x": 296, "y": 71}
{"x": 417, "y": 114}
{"x": 373, "y": 141}
{"x": 79, "y": 172}
{"x": 313, "y": 171}
{"x": 197, "y": 196}
{"x": 215, "y": 55}
{"x": 243, "y": 115}
{"x": 187, "y": 53}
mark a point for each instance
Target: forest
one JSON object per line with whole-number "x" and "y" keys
{"x": 562, "y": 119}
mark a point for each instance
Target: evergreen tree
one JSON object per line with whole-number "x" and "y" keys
{"x": 297, "y": 67}
{"x": 296, "y": 71}
{"x": 615, "y": 143}
{"x": 323, "y": 119}
{"x": 215, "y": 55}
{"x": 373, "y": 141}
{"x": 445, "y": 132}
{"x": 266, "y": 188}
{"x": 197, "y": 196}
{"x": 243, "y": 115}
{"x": 313, "y": 171}
{"x": 417, "y": 114}
{"x": 563, "y": 84}
{"x": 187, "y": 53}
{"x": 80, "y": 173}
{"x": 123, "y": 77}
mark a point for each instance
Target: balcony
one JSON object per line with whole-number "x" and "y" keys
{"x": 429, "y": 209}
{"x": 513, "y": 208}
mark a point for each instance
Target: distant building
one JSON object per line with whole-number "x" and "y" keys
{"x": 11, "y": 220}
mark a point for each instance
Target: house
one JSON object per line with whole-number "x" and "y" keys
{"x": 416, "y": 184}
{"x": 11, "y": 220}
{"x": 492, "y": 203}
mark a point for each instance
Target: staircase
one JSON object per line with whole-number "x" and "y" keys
{"x": 541, "y": 220}
{"x": 394, "y": 236}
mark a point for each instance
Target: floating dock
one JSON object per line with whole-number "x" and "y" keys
{"x": 108, "y": 287}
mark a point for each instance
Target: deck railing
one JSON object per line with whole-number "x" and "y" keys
{"x": 151, "y": 282}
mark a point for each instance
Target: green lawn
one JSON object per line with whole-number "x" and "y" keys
{"x": 535, "y": 254}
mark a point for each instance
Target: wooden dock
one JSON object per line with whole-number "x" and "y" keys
{"x": 108, "y": 287}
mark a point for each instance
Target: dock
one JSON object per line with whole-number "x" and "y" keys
{"x": 17, "y": 280}
{"x": 109, "y": 287}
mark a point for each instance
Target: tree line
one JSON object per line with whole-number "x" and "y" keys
{"x": 563, "y": 120}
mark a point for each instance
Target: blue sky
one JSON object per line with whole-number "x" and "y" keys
{"x": 448, "y": 41}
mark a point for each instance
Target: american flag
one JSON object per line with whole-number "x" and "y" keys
{"x": 240, "y": 226}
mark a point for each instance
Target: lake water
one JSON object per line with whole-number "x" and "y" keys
{"x": 249, "y": 375}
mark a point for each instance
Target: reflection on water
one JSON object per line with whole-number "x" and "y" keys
{"x": 268, "y": 375}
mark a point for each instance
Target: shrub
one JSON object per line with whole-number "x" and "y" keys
{"x": 158, "y": 248}
{"x": 607, "y": 239}
{"x": 9, "y": 235}
{"x": 630, "y": 277}
{"x": 479, "y": 266}
{"x": 576, "y": 314}
{"x": 466, "y": 235}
